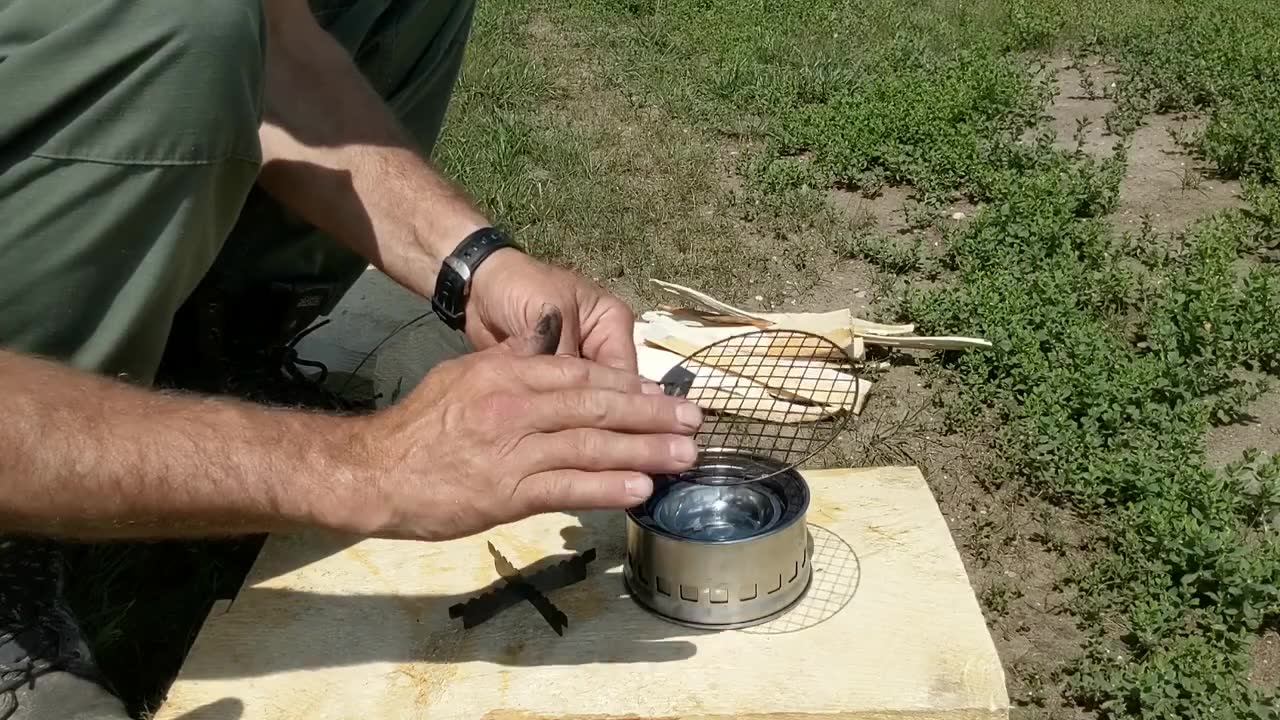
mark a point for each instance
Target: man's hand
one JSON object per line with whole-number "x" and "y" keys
{"x": 510, "y": 290}
{"x": 496, "y": 435}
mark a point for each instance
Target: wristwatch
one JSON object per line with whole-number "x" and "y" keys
{"x": 453, "y": 285}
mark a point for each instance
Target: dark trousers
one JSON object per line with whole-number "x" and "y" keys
{"x": 128, "y": 158}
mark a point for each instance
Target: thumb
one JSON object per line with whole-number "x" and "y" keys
{"x": 570, "y": 339}
{"x": 543, "y": 338}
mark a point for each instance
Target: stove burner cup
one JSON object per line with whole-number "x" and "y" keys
{"x": 712, "y": 549}
{"x": 711, "y": 513}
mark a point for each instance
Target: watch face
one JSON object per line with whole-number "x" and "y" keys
{"x": 460, "y": 267}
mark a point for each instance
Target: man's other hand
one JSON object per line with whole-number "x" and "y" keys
{"x": 510, "y": 290}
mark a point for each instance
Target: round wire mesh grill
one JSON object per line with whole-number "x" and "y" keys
{"x": 780, "y": 394}
{"x": 837, "y": 574}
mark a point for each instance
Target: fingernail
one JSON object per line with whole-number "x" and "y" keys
{"x": 640, "y": 488}
{"x": 684, "y": 450}
{"x": 650, "y": 388}
{"x": 689, "y": 415}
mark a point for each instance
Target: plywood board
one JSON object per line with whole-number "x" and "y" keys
{"x": 328, "y": 629}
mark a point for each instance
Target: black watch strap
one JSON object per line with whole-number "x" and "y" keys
{"x": 453, "y": 285}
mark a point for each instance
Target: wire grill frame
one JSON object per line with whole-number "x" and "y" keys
{"x": 777, "y": 393}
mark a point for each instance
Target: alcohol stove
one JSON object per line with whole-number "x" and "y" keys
{"x": 725, "y": 551}
{"x": 726, "y": 544}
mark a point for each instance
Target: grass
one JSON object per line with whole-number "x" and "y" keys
{"x": 698, "y": 141}
{"x": 602, "y": 192}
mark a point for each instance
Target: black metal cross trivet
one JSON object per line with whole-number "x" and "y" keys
{"x": 517, "y": 588}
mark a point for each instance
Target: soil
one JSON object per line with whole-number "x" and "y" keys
{"x": 850, "y": 283}
{"x": 1260, "y": 430}
{"x": 1079, "y": 106}
{"x": 886, "y": 211}
{"x": 1265, "y": 662}
{"x": 1164, "y": 183}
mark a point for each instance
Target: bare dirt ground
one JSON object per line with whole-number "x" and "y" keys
{"x": 1266, "y": 661}
{"x": 1164, "y": 184}
{"x": 1260, "y": 430}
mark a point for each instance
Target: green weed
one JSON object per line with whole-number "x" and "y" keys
{"x": 1114, "y": 425}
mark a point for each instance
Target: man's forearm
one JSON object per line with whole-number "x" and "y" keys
{"x": 336, "y": 155}
{"x": 88, "y": 457}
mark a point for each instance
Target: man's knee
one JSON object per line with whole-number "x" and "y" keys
{"x": 416, "y": 74}
{"x": 215, "y": 53}
{"x": 150, "y": 109}
{"x": 223, "y": 40}
{"x": 133, "y": 81}
{"x": 230, "y": 25}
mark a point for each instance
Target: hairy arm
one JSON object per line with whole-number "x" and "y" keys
{"x": 336, "y": 155}
{"x": 87, "y": 456}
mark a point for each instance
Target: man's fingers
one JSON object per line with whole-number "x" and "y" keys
{"x": 600, "y": 450}
{"x": 610, "y": 410}
{"x": 619, "y": 353}
{"x": 570, "y": 344}
{"x": 568, "y": 490}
